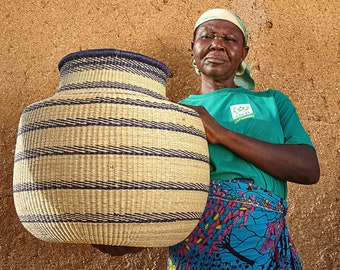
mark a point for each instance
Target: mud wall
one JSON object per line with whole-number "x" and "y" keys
{"x": 294, "y": 48}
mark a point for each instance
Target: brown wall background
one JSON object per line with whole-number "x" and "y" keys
{"x": 294, "y": 48}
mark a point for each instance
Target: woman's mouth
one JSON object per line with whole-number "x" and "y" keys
{"x": 215, "y": 60}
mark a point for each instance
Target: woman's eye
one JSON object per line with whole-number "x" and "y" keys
{"x": 229, "y": 39}
{"x": 211, "y": 36}
{"x": 208, "y": 36}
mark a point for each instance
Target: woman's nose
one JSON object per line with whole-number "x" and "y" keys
{"x": 217, "y": 44}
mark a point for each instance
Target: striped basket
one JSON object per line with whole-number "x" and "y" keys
{"x": 108, "y": 160}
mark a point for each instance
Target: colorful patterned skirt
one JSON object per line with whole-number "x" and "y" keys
{"x": 243, "y": 227}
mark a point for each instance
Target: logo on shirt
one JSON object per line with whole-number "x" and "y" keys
{"x": 241, "y": 111}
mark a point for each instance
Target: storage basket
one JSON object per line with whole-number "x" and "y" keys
{"x": 108, "y": 160}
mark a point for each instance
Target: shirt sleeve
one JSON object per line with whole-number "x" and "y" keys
{"x": 294, "y": 132}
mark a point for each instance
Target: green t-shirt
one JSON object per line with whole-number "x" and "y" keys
{"x": 268, "y": 116}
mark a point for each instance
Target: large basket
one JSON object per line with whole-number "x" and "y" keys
{"x": 108, "y": 160}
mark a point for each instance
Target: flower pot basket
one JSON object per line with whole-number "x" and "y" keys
{"x": 108, "y": 160}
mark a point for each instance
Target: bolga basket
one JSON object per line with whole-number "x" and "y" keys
{"x": 108, "y": 160}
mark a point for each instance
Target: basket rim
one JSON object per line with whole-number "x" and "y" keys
{"x": 114, "y": 53}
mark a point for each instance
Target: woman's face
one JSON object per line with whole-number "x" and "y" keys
{"x": 218, "y": 49}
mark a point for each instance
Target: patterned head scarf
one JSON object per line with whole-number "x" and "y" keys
{"x": 242, "y": 77}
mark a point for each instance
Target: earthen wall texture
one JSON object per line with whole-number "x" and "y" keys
{"x": 294, "y": 47}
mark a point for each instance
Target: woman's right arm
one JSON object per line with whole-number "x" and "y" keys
{"x": 291, "y": 162}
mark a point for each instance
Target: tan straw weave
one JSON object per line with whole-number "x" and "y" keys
{"x": 107, "y": 160}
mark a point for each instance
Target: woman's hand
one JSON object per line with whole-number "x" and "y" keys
{"x": 117, "y": 250}
{"x": 211, "y": 127}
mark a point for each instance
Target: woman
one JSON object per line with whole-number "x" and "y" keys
{"x": 256, "y": 144}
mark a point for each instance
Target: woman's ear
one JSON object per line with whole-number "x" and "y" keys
{"x": 192, "y": 45}
{"x": 245, "y": 51}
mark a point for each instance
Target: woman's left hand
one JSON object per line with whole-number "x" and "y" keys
{"x": 211, "y": 127}
{"x": 117, "y": 250}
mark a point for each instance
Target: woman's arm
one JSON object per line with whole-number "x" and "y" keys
{"x": 290, "y": 162}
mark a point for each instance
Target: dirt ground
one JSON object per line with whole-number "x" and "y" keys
{"x": 294, "y": 47}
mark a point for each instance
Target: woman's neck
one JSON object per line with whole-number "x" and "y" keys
{"x": 210, "y": 86}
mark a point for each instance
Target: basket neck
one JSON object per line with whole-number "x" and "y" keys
{"x": 110, "y": 69}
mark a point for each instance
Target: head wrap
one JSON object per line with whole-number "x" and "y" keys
{"x": 242, "y": 77}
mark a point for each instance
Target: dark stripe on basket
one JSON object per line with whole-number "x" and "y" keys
{"x": 109, "y": 84}
{"x": 111, "y": 217}
{"x": 109, "y": 122}
{"x": 119, "y": 101}
{"x": 109, "y": 185}
{"x": 114, "y": 54}
{"x": 123, "y": 65}
{"x": 109, "y": 150}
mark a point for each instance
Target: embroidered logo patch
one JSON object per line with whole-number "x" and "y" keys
{"x": 241, "y": 111}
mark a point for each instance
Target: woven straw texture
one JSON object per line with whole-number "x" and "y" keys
{"x": 107, "y": 159}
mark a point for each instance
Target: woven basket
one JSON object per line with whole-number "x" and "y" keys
{"x": 108, "y": 160}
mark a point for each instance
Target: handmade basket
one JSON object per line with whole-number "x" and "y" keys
{"x": 108, "y": 160}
